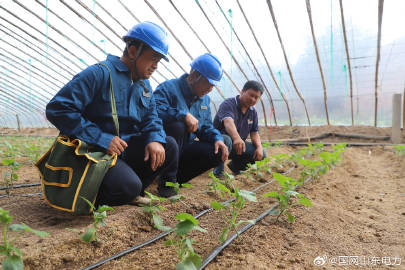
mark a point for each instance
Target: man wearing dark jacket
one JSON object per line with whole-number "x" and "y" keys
{"x": 82, "y": 109}
{"x": 184, "y": 107}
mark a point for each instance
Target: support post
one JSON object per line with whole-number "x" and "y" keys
{"x": 18, "y": 122}
{"x": 396, "y": 118}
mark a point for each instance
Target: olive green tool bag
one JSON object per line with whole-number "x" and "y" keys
{"x": 72, "y": 169}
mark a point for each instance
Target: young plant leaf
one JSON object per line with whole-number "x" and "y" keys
{"x": 158, "y": 223}
{"x": 224, "y": 235}
{"x": 186, "y": 216}
{"x": 251, "y": 196}
{"x": 13, "y": 263}
{"x": 217, "y": 205}
{"x": 184, "y": 227}
{"x": 191, "y": 262}
{"x": 89, "y": 235}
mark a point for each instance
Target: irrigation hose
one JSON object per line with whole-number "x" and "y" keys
{"x": 129, "y": 250}
{"x": 221, "y": 247}
{"x": 218, "y": 249}
{"x": 21, "y": 195}
{"x": 21, "y": 186}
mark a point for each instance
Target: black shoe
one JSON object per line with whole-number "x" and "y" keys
{"x": 233, "y": 169}
{"x": 166, "y": 192}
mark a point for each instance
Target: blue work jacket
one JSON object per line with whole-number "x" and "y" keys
{"x": 174, "y": 100}
{"x": 82, "y": 108}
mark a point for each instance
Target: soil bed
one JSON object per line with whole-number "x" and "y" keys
{"x": 358, "y": 210}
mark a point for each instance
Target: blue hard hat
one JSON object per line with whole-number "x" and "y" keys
{"x": 208, "y": 66}
{"x": 153, "y": 35}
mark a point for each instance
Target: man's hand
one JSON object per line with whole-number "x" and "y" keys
{"x": 258, "y": 154}
{"x": 156, "y": 152}
{"x": 117, "y": 146}
{"x": 239, "y": 146}
{"x": 191, "y": 122}
{"x": 224, "y": 149}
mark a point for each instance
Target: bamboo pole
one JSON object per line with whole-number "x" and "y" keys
{"x": 202, "y": 42}
{"x": 229, "y": 51}
{"x": 177, "y": 39}
{"x": 252, "y": 62}
{"x": 348, "y": 59}
{"x": 325, "y": 97}
{"x": 380, "y": 13}
{"x": 267, "y": 63}
{"x": 286, "y": 60}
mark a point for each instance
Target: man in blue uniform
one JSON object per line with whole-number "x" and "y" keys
{"x": 82, "y": 109}
{"x": 184, "y": 107}
{"x": 236, "y": 119}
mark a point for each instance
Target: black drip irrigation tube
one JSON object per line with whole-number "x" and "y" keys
{"x": 221, "y": 247}
{"x": 21, "y": 195}
{"x": 150, "y": 241}
{"x": 21, "y": 186}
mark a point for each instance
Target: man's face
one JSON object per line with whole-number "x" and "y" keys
{"x": 147, "y": 63}
{"x": 249, "y": 97}
{"x": 200, "y": 86}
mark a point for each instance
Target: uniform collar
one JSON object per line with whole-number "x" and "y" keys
{"x": 186, "y": 90}
{"x": 117, "y": 63}
{"x": 238, "y": 103}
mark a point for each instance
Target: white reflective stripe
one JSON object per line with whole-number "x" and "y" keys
{"x": 222, "y": 120}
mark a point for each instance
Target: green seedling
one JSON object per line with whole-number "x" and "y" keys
{"x": 257, "y": 170}
{"x": 13, "y": 255}
{"x": 152, "y": 209}
{"x": 176, "y": 187}
{"x": 183, "y": 245}
{"x": 227, "y": 181}
{"x": 99, "y": 216}
{"x": 10, "y": 175}
{"x": 279, "y": 162}
{"x": 310, "y": 169}
{"x": 400, "y": 149}
{"x": 235, "y": 206}
{"x": 284, "y": 197}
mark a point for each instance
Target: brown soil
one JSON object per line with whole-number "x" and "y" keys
{"x": 358, "y": 210}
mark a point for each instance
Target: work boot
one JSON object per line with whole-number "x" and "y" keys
{"x": 166, "y": 192}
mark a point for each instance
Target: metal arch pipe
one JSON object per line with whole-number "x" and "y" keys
{"x": 40, "y": 41}
{"x": 37, "y": 75}
{"x": 177, "y": 39}
{"x": 26, "y": 43}
{"x": 74, "y": 28}
{"x": 136, "y": 18}
{"x": 202, "y": 42}
{"x": 43, "y": 98}
{"x": 26, "y": 53}
{"x": 251, "y": 61}
{"x": 325, "y": 96}
{"x": 17, "y": 101}
{"x": 28, "y": 86}
{"x": 21, "y": 110}
{"x": 55, "y": 29}
{"x": 267, "y": 62}
{"x": 81, "y": 17}
{"x": 286, "y": 60}
{"x": 57, "y": 43}
{"x": 233, "y": 57}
